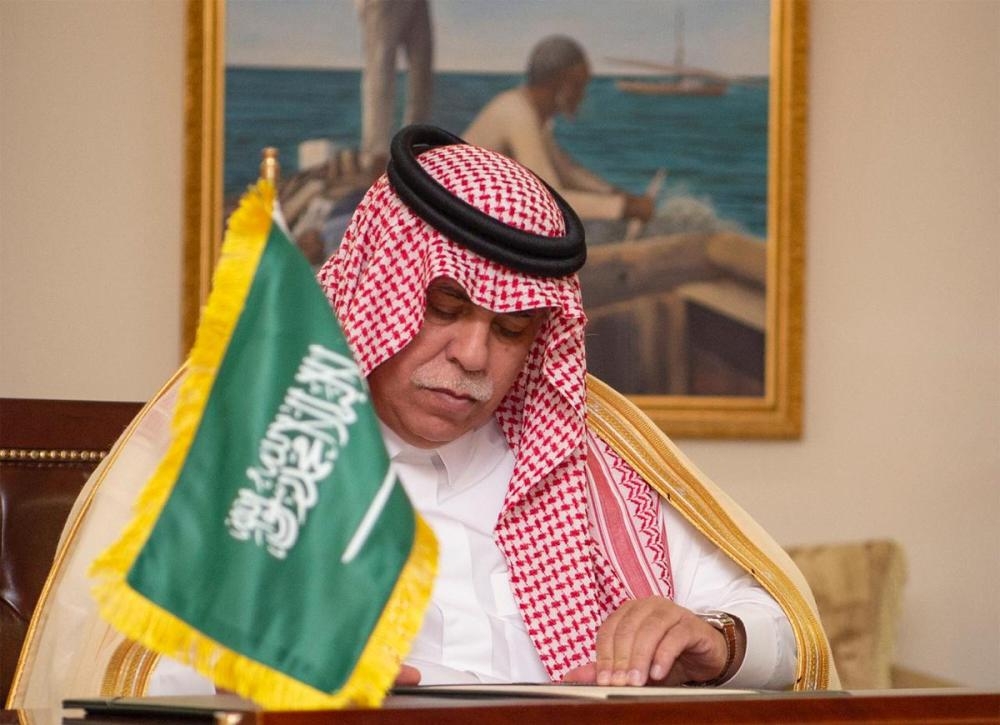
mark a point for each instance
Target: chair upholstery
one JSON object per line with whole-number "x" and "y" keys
{"x": 858, "y": 588}
{"x": 48, "y": 448}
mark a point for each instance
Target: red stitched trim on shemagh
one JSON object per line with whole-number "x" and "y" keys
{"x": 377, "y": 283}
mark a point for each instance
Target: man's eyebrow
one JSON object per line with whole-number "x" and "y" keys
{"x": 534, "y": 312}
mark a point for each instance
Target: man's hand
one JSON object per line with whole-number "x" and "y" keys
{"x": 654, "y": 641}
{"x": 408, "y": 676}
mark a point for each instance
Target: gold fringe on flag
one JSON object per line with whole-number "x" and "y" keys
{"x": 159, "y": 630}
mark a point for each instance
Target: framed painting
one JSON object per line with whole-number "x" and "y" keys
{"x": 697, "y": 105}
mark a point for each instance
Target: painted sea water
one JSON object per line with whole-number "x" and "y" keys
{"x": 714, "y": 149}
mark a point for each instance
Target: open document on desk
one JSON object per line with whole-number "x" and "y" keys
{"x": 566, "y": 690}
{"x": 194, "y": 706}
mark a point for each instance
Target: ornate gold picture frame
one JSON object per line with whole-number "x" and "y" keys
{"x": 776, "y": 413}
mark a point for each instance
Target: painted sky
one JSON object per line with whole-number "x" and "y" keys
{"x": 726, "y": 36}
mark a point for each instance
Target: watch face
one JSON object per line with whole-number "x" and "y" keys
{"x": 719, "y": 620}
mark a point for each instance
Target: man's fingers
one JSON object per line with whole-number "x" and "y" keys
{"x": 693, "y": 650}
{"x": 628, "y": 640}
{"x": 582, "y": 675}
{"x": 658, "y": 631}
{"x": 606, "y": 646}
{"x": 408, "y": 676}
{"x": 668, "y": 649}
{"x": 624, "y": 641}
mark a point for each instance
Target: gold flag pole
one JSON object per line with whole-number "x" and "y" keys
{"x": 270, "y": 169}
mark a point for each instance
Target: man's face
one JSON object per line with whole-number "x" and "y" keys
{"x": 572, "y": 89}
{"x": 454, "y": 373}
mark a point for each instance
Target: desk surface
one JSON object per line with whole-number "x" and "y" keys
{"x": 882, "y": 707}
{"x": 929, "y": 707}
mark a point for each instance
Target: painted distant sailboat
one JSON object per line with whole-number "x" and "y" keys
{"x": 678, "y": 79}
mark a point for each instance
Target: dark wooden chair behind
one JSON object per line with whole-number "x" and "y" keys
{"x": 48, "y": 449}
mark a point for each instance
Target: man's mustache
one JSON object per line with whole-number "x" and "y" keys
{"x": 477, "y": 387}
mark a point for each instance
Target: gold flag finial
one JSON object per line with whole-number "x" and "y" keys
{"x": 270, "y": 169}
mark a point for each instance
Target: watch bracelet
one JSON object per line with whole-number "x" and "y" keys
{"x": 726, "y": 624}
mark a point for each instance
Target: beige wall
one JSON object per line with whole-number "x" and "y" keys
{"x": 903, "y": 301}
{"x": 91, "y": 109}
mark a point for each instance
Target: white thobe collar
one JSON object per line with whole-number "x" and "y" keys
{"x": 466, "y": 461}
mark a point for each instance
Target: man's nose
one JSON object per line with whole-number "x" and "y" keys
{"x": 469, "y": 347}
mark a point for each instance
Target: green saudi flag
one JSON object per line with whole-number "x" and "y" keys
{"x": 273, "y": 549}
